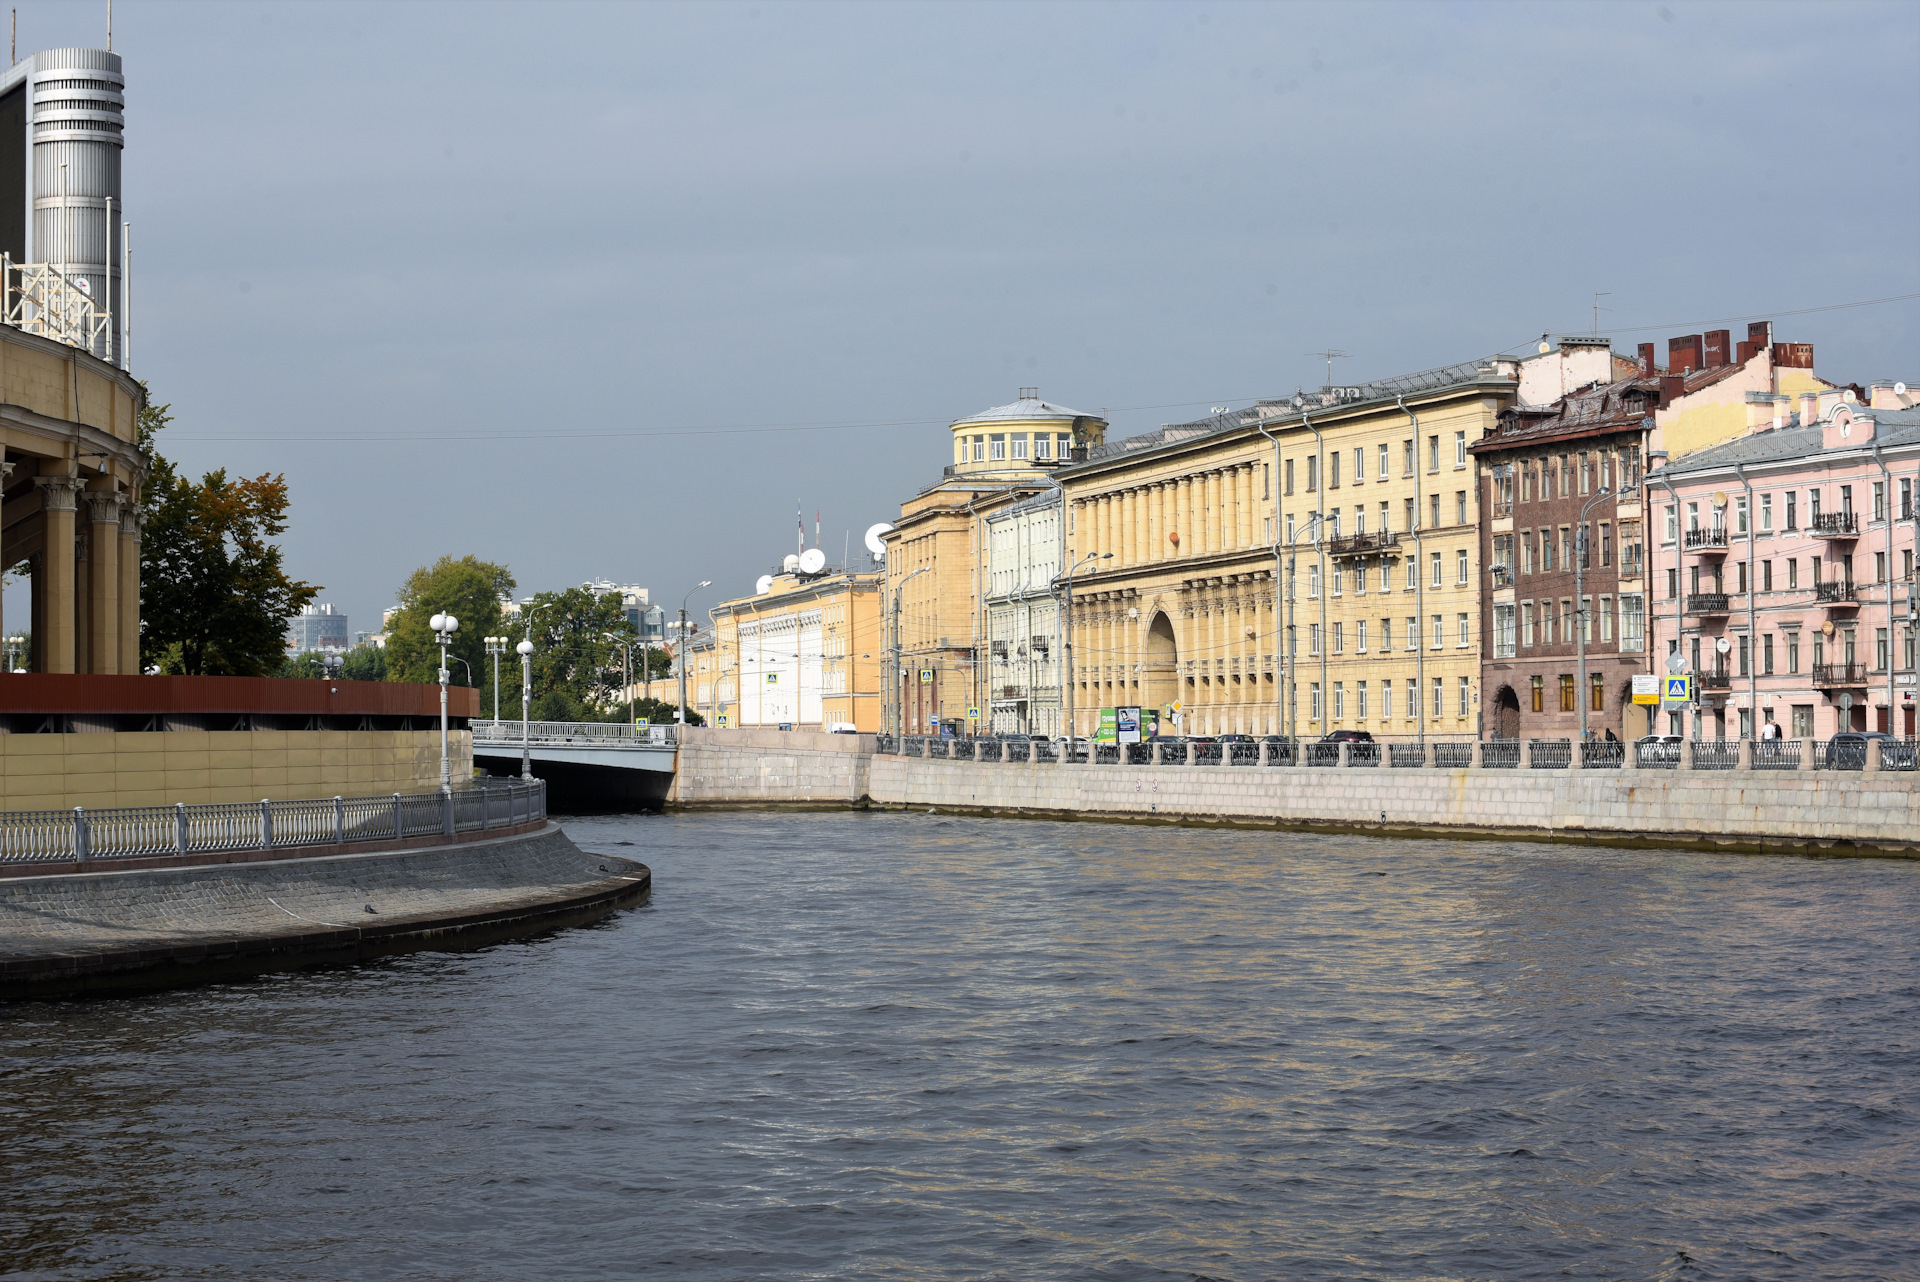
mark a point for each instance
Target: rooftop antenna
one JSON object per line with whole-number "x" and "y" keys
{"x": 1331, "y": 355}
{"x": 13, "y": 43}
{"x": 1597, "y": 309}
{"x": 109, "y": 26}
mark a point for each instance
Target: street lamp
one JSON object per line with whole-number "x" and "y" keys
{"x": 1067, "y": 638}
{"x": 496, "y": 646}
{"x": 1288, "y": 677}
{"x": 444, "y": 626}
{"x": 332, "y": 663}
{"x": 16, "y": 646}
{"x": 681, "y": 651}
{"x": 626, "y": 668}
{"x": 525, "y": 651}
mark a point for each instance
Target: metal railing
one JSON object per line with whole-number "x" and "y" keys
{"x": 1706, "y": 540}
{"x": 1500, "y": 754}
{"x": 1602, "y": 754}
{"x": 1776, "y": 754}
{"x": 39, "y": 298}
{"x": 1323, "y": 754}
{"x": 1715, "y": 754}
{"x": 1283, "y": 754}
{"x": 550, "y": 732}
{"x": 1243, "y": 754}
{"x": 1716, "y": 680}
{"x": 1834, "y": 592}
{"x": 1407, "y": 755}
{"x": 1206, "y": 754}
{"x": 1363, "y": 754}
{"x": 1830, "y": 525}
{"x": 139, "y": 832}
{"x": 1656, "y": 756}
{"x": 1551, "y": 754}
{"x": 1707, "y": 603}
{"x": 1453, "y": 755}
{"x": 1840, "y": 674}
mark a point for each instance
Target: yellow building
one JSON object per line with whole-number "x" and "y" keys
{"x": 936, "y": 556}
{"x": 805, "y": 653}
{"x": 1358, "y": 503}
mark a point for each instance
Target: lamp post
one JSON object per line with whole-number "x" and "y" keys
{"x": 496, "y": 646}
{"x": 681, "y": 653}
{"x": 626, "y": 668}
{"x": 899, "y": 712}
{"x": 1067, "y": 637}
{"x": 525, "y": 651}
{"x": 444, "y": 626}
{"x": 332, "y": 663}
{"x": 16, "y": 646}
{"x": 1287, "y": 674}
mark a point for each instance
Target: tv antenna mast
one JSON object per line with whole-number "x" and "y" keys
{"x": 1597, "y": 309}
{"x": 1331, "y": 355}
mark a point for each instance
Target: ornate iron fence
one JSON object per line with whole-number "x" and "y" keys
{"x": 1500, "y": 754}
{"x": 1410, "y": 755}
{"x": 1453, "y": 756}
{"x": 1715, "y": 754}
{"x": 1776, "y": 754}
{"x": 1552, "y": 754}
{"x": 1603, "y": 754}
{"x": 136, "y": 832}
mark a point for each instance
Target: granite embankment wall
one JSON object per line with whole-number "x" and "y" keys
{"x": 164, "y": 927}
{"x": 1808, "y": 811}
{"x": 770, "y": 767}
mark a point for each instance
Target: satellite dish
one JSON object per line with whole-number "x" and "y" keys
{"x": 1826, "y": 629}
{"x": 1723, "y": 645}
{"x": 1899, "y": 389}
{"x": 874, "y": 545}
{"x": 763, "y": 585}
{"x": 1719, "y": 498}
{"x": 791, "y": 563}
{"x": 812, "y": 561}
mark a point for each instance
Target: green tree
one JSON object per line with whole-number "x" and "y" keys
{"x": 308, "y": 663}
{"x": 470, "y": 590}
{"x": 572, "y": 655}
{"x": 215, "y": 597}
{"x": 365, "y": 663}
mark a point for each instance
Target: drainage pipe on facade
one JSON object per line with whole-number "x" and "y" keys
{"x": 1320, "y": 560}
{"x": 1753, "y": 630}
{"x": 1419, "y": 589}
{"x": 1893, "y": 637}
{"x": 1282, "y": 637}
{"x": 1679, "y": 569}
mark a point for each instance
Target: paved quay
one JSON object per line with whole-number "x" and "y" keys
{"x": 164, "y": 927}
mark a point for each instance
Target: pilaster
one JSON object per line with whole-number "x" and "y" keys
{"x": 59, "y": 504}
{"x": 103, "y": 582}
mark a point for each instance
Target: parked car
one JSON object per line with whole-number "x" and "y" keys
{"x": 1848, "y": 751}
{"x": 1346, "y": 736}
{"x": 1237, "y": 738}
{"x": 1660, "y": 747}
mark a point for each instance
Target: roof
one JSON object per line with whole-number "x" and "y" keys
{"x": 1027, "y": 407}
{"x": 1044, "y": 499}
{"x": 1620, "y": 406}
{"x": 1892, "y": 428}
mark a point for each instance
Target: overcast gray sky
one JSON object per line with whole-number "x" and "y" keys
{"x": 620, "y": 242}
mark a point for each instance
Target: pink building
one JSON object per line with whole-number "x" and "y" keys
{"x": 1783, "y": 567}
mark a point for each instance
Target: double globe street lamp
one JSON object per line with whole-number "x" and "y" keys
{"x": 525, "y": 651}
{"x": 444, "y": 626}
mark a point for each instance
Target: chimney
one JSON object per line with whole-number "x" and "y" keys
{"x": 1809, "y": 408}
{"x": 1718, "y": 349}
{"x": 1793, "y": 355}
{"x": 1744, "y": 353}
{"x": 1760, "y": 334}
{"x": 1683, "y": 354}
{"x": 1672, "y": 387}
{"x": 1646, "y": 361}
{"x": 1759, "y": 411}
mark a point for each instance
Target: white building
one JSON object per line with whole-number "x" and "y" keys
{"x": 1023, "y": 655}
{"x": 317, "y": 627}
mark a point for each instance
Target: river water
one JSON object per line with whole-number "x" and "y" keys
{"x": 916, "y": 1046}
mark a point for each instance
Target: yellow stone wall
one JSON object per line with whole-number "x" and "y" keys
{"x": 849, "y": 608}
{"x": 60, "y": 771}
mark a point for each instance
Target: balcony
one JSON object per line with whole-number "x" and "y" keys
{"x": 1707, "y": 541}
{"x": 1716, "y": 681}
{"x": 1834, "y": 525}
{"x": 1837, "y": 594}
{"x": 1828, "y": 676}
{"x": 1362, "y": 544}
{"x": 1502, "y": 576}
{"x": 1706, "y": 603}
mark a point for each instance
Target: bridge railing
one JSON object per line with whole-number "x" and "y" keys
{"x": 584, "y": 732}
{"x": 144, "y": 832}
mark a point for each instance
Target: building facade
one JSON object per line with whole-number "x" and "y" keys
{"x": 1785, "y": 562}
{"x": 1024, "y": 546}
{"x": 936, "y": 562}
{"x": 317, "y": 627}
{"x": 804, "y": 654}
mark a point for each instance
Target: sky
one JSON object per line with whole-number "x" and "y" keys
{"x": 610, "y": 290}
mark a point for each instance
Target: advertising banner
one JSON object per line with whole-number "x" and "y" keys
{"x": 1126, "y": 724}
{"x": 1107, "y": 732}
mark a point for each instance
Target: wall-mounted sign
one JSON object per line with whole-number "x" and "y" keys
{"x": 926, "y": 676}
{"x": 1646, "y": 688}
{"x": 1675, "y": 690}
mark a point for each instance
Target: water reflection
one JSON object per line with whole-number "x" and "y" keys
{"x": 922, "y": 1046}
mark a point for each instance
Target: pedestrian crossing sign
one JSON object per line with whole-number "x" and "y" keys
{"x": 1677, "y": 689}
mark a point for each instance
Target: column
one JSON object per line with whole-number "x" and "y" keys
{"x": 1129, "y": 525}
{"x": 132, "y": 521}
{"x": 103, "y": 582}
{"x": 1156, "y": 522}
{"x": 1249, "y": 524}
{"x": 59, "y": 505}
{"x": 1184, "y": 507}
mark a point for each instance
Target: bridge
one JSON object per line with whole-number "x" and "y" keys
{"x": 588, "y": 765}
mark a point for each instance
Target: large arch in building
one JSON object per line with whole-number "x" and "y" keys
{"x": 1506, "y": 714}
{"x": 1162, "y": 667}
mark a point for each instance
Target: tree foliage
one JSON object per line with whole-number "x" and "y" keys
{"x": 365, "y": 663}
{"x": 215, "y": 597}
{"x": 467, "y": 588}
{"x": 571, "y": 653}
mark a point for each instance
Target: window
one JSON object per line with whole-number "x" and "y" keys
{"x": 1439, "y": 690}
{"x": 1413, "y": 699}
{"x": 1334, "y": 575}
{"x": 1879, "y": 567}
{"x": 1313, "y": 638}
{"x": 1459, "y": 449}
{"x": 1313, "y": 473}
{"x": 1439, "y": 634}
{"x": 1466, "y": 695}
{"x": 1546, "y": 623}
{"x": 1463, "y": 633}
{"x": 1286, "y": 477}
{"x": 1020, "y": 445}
{"x": 1526, "y": 551}
{"x": 1906, "y": 499}
{"x": 1673, "y": 523}
{"x": 1766, "y": 514}
{"x": 1433, "y": 454}
{"x": 1792, "y": 500}
{"x": 1386, "y": 526}
{"x": 1314, "y": 696}
{"x": 1633, "y": 623}
{"x": 1359, "y": 518}
{"x": 1062, "y": 445}
{"x": 1339, "y": 638}
{"x": 1459, "y": 507}
{"x": 1460, "y": 560}
{"x": 979, "y": 449}
{"x": 1566, "y": 692}
{"x": 1606, "y": 618}
{"x": 1413, "y": 573}
{"x": 1313, "y": 583}
{"x": 1793, "y": 653}
{"x": 1745, "y": 656}
{"x": 1360, "y": 640}
{"x": 1793, "y": 574}
{"x": 1333, "y": 483}
{"x": 1409, "y": 516}
{"x": 1766, "y": 576}
{"x": 1266, "y": 480}
{"x": 1386, "y": 693}
{"x": 1673, "y": 584}
{"x": 1739, "y": 576}
{"x": 1435, "y": 557}
{"x": 1539, "y": 694}
{"x": 1042, "y": 446}
{"x": 1907, "y": 650}
{"x": 1881, "y": 651}
{"x": 1526, "y": 623}
{"x": 1434, "y": 523}
{"x": 1503, "y": 632}
{"x": 1383, "y": 476}
{"x": 1813, "y": 505}
{"x": 1766, "y": 655}
{"x": 1360, "y": 700}
{"x": 1359, "y": 473}
{"x": 1586, "y": 619}
{"x": 1740, "y": 514}
{"x": 1581, "y": 473}
{"x": 1413, "y": 633}
{"x": 1606, "y": 544}
{"x": 1846, "y": 500}
{"x": 1693, "y": 517}
{"x": 1408, "y": 444}
{"x": 1339, "y": 701}
{"x": 1583, "y": 538}
{"x": 1597, "y": 693}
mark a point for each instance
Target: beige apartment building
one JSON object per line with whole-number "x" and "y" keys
{"x": 938, "y": 666}
{"x": 803, "y": 653}
{"x": 1302, "y": 566}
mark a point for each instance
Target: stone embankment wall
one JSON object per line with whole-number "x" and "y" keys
{"x": 1840, "y": 811}
{"x": 766, "y": 767}
{"x": 162, "y": 927}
